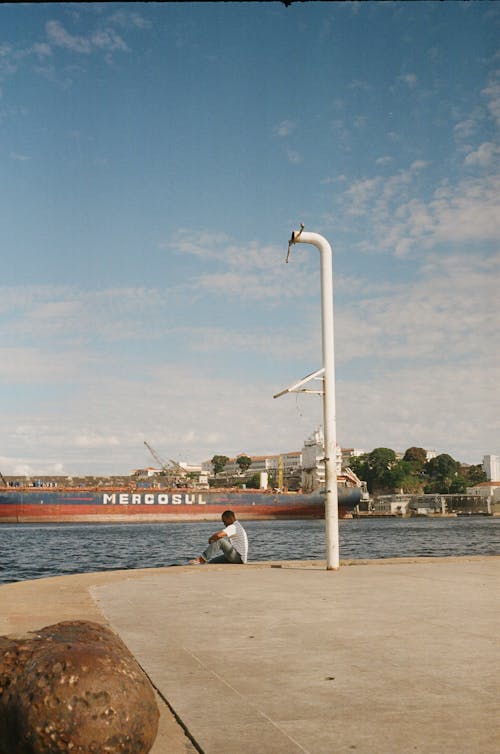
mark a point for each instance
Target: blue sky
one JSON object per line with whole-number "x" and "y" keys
{"x": 155, "y": 159}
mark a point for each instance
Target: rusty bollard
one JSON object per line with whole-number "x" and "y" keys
{"x": 74, "y": 687}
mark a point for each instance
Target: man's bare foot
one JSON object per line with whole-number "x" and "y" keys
{"x": 196, "y": 561}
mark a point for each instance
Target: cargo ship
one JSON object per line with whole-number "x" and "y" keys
{"x": 128, "y": 505}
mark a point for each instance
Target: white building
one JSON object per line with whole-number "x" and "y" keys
{"x": 348, "y": 453}
{"x": 190, "y": 468}
{"x": 486, "y": 489}
{"x": 264, "y": 463}
{"x": 313, "y": 461}
{"x": 491, "y": 467}
{"x": 279, "y": 467}
{"x": 395, "y": 504}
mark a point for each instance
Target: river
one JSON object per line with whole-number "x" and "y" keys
{"x": 31, "y": 551}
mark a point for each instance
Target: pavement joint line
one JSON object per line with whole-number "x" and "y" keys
{"x": 245, "y": 699}
{"x": 178, "y": 719}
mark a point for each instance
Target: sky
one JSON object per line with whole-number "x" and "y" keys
{"x": 154, "y": 161}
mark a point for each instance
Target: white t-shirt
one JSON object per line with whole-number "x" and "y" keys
{"x": 238, "y": 538}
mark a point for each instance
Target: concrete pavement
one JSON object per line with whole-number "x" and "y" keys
{"x": 30, "y": 605}
{"x": 381, "y": 657}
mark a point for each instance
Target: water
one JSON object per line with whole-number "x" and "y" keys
{"x": 31, "y": 551}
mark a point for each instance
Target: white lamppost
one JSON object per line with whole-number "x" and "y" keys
{"x": 328, "y": 371}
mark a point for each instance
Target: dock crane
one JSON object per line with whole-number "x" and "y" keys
{"x": 178, "y": 466}
{"x": 157, "y": 458}
{"x": 4, "y": 481}
{"x": 175, "y": 469}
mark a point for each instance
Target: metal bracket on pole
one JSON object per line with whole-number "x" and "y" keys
{"x": 297, "y": 388}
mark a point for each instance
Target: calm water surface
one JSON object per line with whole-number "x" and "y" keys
{"x": 31, "y": 551}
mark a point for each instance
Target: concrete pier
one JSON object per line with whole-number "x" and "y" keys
{"x": 381, "y": 657}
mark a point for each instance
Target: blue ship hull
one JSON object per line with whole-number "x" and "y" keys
{"x": 49, "y": 505}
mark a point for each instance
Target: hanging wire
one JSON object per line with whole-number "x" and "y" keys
{"x": 297, "y": 405}
{"x": 299, "y": 413}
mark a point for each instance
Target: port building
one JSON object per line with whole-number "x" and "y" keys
{"x": 491, "y": 467}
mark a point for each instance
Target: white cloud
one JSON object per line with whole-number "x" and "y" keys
{"x": 108, "y": 39}
{"x": 444, "y": 408}
{"x": 73, "y": 316}
{"x": 461, "y": 213}
{"x": 200, "y": 243}
{"x": 280, "y": 343}
{"x": 360, "y": 86}
{"x": 387, "y": 402}
{"x": 421, "y": 347}
{"x": 410, "y": 79}
{"x": 468, "y": 212}
{"x": 492, "y": 93}
{"x": 429, "y": 372}
{"x": 129, "y": 19}
{"x": 102, "y": 39}
{"x": 285, "y": 128}
{"x": 93, "y": 434}
{"x": 58, "y": 36}
{"x": 19, "y": 157}
{"x": 50, "y": 73}
{"x": 42, "y": 50}
{"x": 251, "y": 271}
{"x": 19, "y": 467}
{"x": 231, "y": 284}
{"x": 10, "y": 56}
{"x": 93, "y": 439}
{"x": 293, "y": 156}
{"x": 35, "y": 365}
{"x": 360, "y": 121}
{"x": 484, "y": 155}
{"x": 418, "y": 165}
{"x": 449, "y": 313}
{"x": 359, "y": 193}
{"x": 466, "y": 128}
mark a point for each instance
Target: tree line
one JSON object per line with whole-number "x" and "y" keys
{"x": 383, "y": 471}
{"x": 218, "y": 462}
{"x": 244, "y": 462}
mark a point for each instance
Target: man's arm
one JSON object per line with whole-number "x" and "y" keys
{"x": 218, "y": 535}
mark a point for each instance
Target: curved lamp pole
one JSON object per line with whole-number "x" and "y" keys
{"x": 329, "y": 417}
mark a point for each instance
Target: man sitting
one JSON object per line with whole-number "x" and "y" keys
{"x": 229, "y": 545}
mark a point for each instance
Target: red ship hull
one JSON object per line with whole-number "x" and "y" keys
{"x": 125, "y": 506}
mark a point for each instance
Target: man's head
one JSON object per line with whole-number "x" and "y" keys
{"x": 228, "y": 518}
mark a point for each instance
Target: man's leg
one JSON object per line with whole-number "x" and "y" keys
{"x": 213, "y": 552}
{"x": 230, "y": 554}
